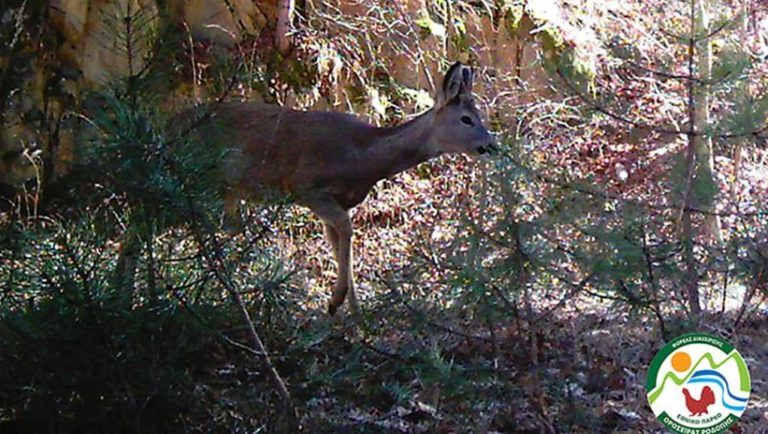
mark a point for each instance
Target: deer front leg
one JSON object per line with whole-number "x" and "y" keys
{"x": 344, "y": 282}
{"x": 338, "y": 230}
{"x": 333, "y": 239}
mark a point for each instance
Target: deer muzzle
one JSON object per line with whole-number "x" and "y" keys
{"x": 490, "y": 149}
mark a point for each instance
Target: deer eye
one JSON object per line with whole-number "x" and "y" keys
{"x": 466, "y": 120}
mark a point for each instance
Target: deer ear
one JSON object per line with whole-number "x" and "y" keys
{"x": 467, "y": 78}
{"x": 457, "y": 81}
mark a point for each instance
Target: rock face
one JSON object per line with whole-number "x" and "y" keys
{"x": 213, "y": 20}
{"x": 88, "y": 46}
{"x": 95, "y": 31}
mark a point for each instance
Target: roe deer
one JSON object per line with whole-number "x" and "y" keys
{"x": 330, "y": 161}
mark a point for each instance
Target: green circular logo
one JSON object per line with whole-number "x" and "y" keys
{"x": 698, "y": 384}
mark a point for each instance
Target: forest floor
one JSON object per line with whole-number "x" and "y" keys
{"x": 580, "y": 370}
{"x": 576, "y": 364}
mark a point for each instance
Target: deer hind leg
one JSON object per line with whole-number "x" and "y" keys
{"x": 232, "y": 222}
{"x": 338, "y": 229}
{"x": 127, "y": 260}
{"x": 333, "y": 240}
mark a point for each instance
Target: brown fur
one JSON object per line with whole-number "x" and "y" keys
{"x": 330, "y": 161}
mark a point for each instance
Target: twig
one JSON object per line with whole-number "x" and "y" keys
{"x": 225, "y": 338}
{"x": 643, "y": 126}
{"x": 204, "y": 234}
{"x": 434, "y": 324}
{"x": 747, "y": 298}
{"x": 216, "y": 263}
{"x": 612, "y": 196}
{"x": 11, "y": 51}
{"x": 680, "y": 77}
{"x": 691, "y": 38}
{"x": 575, "y": 290}
{"x": 652, "y": 281}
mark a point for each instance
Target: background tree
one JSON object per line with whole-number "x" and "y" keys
{"x": 693, "y": 186}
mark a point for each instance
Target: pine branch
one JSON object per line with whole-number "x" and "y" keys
{"x": 696, "y": 39}
{"x": 211, "y": 248}
{"x": 607, "y": 195}
{"x": 759, "y": 133}
{"x": 679, "y": 77}
{"x": 18, "y": 30}
{"x": 623, "y": 119}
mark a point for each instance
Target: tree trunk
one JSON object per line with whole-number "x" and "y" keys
{"x": 702, "y": 103}
{"x": 687, "y": 235}
{"x": 283, "y": 38}
{"x": 739, "y": 145}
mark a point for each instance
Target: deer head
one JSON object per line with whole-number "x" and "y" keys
{"x": 458, "y": 127}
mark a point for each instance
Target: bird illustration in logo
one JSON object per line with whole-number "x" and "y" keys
{"x": 699, "y": 406}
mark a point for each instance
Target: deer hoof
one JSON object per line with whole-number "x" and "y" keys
{"x": 334, "y": 305}
{"x": 339, "y": 294}
{"x": 332, "y": 308}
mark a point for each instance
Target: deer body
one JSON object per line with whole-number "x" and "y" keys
{"x": 340, "y": 156}
{"x": 330, "y": 161}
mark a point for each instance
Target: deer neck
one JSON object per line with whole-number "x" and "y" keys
{"x": 401, "y": 147}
